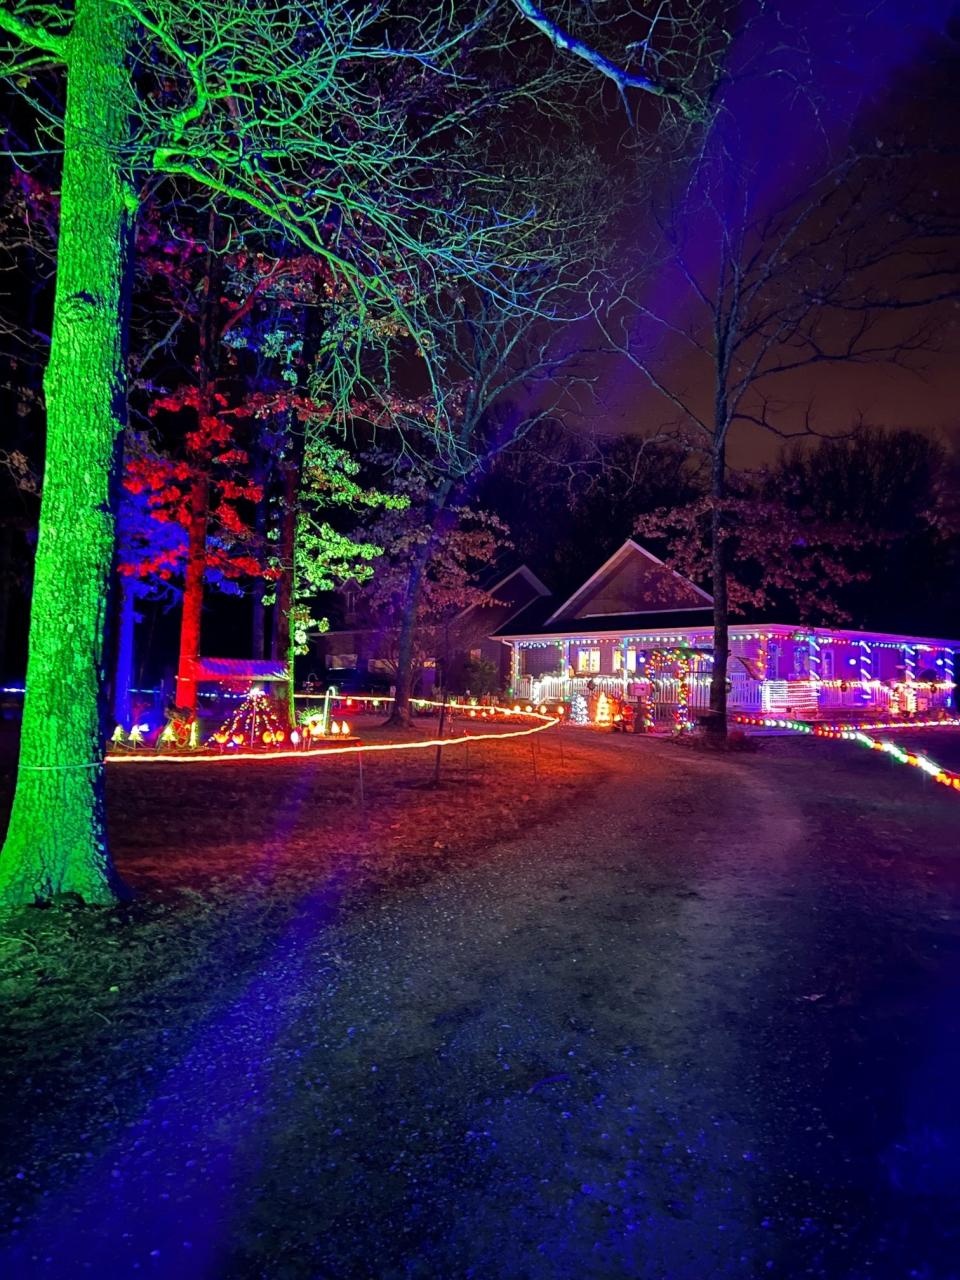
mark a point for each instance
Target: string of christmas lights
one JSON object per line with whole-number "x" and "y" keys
{"x": 546, "y": 721}
{"x": 855, "y": 733}
{"x": 824, "y": 729}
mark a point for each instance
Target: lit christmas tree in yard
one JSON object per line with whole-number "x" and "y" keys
{"x": 253, "y": 724}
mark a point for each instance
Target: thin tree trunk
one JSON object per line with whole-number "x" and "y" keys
{"x": 6, "y": 588}
{"x": 191, "y": 618}
{"x": 123, "y": 667}
{"x": 717, "y": 724}
{"x": 56, "y": 841}
{"x": 400, "y": 715}
{"x": 283, "y": 630}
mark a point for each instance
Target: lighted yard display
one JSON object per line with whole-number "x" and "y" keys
{"x": 303, "y": 744}
{"x": 254, "y": 723}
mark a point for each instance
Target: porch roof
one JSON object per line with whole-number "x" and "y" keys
{"x": 696, "y": 625}
{"x": 528, "y": 626}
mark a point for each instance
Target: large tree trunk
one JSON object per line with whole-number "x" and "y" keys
{"x": 717, "y": 724}
{"x": 191, "y": 618}
{"x": 57, "y": 841}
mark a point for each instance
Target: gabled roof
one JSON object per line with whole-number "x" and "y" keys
{"x": 685, "y": 590}
{"x": 522, "y": 571}
{"x": 529, "y": 624}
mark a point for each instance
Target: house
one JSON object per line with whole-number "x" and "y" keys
{"x": 639, "y": 630}
{"x": 365, "y": 654}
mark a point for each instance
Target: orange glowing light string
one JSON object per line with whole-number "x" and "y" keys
{"x": 547, "y": 722}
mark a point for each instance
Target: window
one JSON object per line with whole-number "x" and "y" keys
{"x": 342, "y": 661}
{"x": 618, "y": 659}
{"x": 588, "y": 661}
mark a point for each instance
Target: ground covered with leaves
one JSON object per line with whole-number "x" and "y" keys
{"x": 645, "y": 1013}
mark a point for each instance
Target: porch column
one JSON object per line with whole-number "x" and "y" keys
{"x": 866, "y": 663}
{"x": 814, "y": 671}
{"x": 623, "y": 663}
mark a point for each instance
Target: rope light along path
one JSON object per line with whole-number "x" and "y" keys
{"x": 827, "y": 730}
{"x": 303, "y": 753}
{"x": 855, "y": 733}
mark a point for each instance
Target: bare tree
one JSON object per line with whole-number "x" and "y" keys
{"x": 743, "y": 291}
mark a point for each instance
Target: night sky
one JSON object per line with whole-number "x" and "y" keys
{"x": 889, "y": 80}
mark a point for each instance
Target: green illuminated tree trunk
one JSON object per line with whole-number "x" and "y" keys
{"x": 56, "y": 842}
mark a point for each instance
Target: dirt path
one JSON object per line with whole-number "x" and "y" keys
{"x": 697, "y": 1027}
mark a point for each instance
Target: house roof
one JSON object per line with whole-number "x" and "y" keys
{"x": 506, "y": 607}
{"x": 531, "y": 622}
{"x": 685, "y": 589}
{"x": 696, "y": 625}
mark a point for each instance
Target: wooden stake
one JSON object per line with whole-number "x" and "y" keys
{"x": 443, "y": 716}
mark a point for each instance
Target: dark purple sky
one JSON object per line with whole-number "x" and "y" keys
{"x": 890, "y": 73}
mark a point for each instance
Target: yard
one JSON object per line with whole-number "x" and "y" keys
{"x": 648, "y": 1013}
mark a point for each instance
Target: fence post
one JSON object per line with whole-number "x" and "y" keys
{"x": 443, "y": 717}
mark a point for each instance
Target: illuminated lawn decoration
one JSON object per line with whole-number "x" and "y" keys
{"x": 578, "y": 710}
{"x": 603, "y": 716}
{"x": 293, "y": 752}
{"x": 254, "y": 724}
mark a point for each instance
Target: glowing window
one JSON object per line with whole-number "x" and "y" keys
{"x": 588, "y": 661}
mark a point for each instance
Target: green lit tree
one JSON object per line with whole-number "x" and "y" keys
{"x": 313, "y": 550}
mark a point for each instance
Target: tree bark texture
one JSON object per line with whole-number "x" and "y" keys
{"x": 717, "y": 725}
{"x": 56, "y": 841}
{"x": 400, "y": 714}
